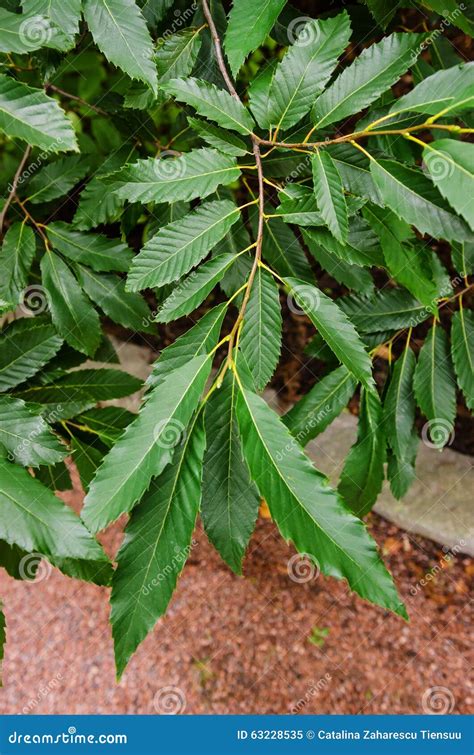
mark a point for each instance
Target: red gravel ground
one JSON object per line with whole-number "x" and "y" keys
{"x": 242, "y": 645}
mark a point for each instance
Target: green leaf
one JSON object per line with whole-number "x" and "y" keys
{"x": 35, "y": 520}
{"x": 192, "y": 291}
{"x": 399, "y": 404}
{"x": 213, "y": 103}
{"x": 363, "y": 472}
{"x": 329, "y": 194}
{"x": 56, "y": 477}
{"x": 435, "y": 384}
{"x": 177, "y": 55}
{"x": 219, "y": 138}
{"x": 108, "y": 292}
{"x": 463, "y": 258}
{"x": 16, "y": 257}
{"x": 87, "y": 460}
{"x": 405, "y": 264}
{"x": 412, "y": 196}
{"x": 282, "y": 250}
{"x": 365, "y": 254}
{"x": 389, "y": 309}
{"x": 260, "y": 340}
{"x": 98, "y": 251}
{"x": 354, "y": 169}
{"x": 346, "y": 273}
{"x": 462, "y": 351}
{"x": 28, "y": 114}
{"x": 158, "y": 541}
{"x": 370, "y": 75}
{"x": 56, "y": 179}
{"x": 79, "y": 390}
{"x": 335, "y": 328}
{"x": 383, "y": 10}
{"x": 306, "y": 68}
{"x": 449, "y": 91}
{"x": 72, "y": 313}
{"x": 146, "y": 446}
{"x": 106, "y": 424}
{"x": 306, "y": 510}
{"x": 258, "y": 93}
{"x": 97, "y": 203}
{"x": 321, "y": 405}
{"x": 120, "y": 32}
{"x": 401, "y": 471}
{"x": 182, "y": 245}
{"x": 230, "y": 500}
{"x": 26, "y": 436}
{"x": 451, "y": 10}
{"x": 23, "y": 33}
{"x": 23, "y": 354}
{"x": 195, "y": 174}
{"x": 451, "y": 167}
{"x": 11, "y": 557}
{"x": 198, "y": 340}
{"x": 248, "y": 26}
{"x": 65, "y": 16}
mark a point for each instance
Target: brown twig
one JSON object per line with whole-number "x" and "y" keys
{"x": 76, "y": 99}
{"x": 14, "y": 186}
{"x": 350, "y": 137}
{"x": 261, "y": 188}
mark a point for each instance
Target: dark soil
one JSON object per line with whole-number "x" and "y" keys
{"x": 242, "y": 645}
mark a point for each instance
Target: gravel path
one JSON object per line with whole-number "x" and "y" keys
{"x": 263, "y": 644}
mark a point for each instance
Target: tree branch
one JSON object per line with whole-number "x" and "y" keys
{"x": 261, "y": 187}
{"x": 14, "y": 186}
